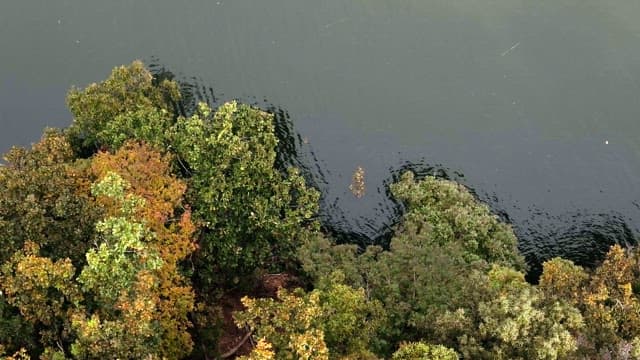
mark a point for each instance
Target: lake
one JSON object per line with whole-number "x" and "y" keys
{"x": 532, "y": 104}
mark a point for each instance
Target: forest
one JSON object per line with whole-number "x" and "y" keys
{"x": 144, "y": 231}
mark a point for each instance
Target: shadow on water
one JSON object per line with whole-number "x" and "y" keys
{"x": 578, "y": 235}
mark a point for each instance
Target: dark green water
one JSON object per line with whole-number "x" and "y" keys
{"x": 535, "y": 102}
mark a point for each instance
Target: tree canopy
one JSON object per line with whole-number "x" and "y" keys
{"x": 142, "y": 233}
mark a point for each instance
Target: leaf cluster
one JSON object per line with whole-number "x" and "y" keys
{"x": 607, "y": 297}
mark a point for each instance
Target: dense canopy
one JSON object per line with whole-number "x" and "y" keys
{"x": 141, "y": 233}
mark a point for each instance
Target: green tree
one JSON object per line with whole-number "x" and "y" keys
{"x": 43, "y": 291}
{"x": 424, "y": 351}
{"x": 607, "y": 298}
{"x": 43, "y": 199}
{"x": 445, "y": 236}
{"x": 253, "y": 216}
{"x": 510, "y": 319}
{"x": 442, "y": 212}
{"x": 349, "y": 320}
{"x": 127, "y": 105}
{"x": 290, "y": 324}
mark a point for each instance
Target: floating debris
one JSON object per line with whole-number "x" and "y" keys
{"x": 357, "y": 186}
{"x": 510, "y": 49}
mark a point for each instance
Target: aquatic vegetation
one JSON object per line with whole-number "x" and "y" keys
{"x": 357, "y": 186}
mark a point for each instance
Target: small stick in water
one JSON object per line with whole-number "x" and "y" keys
{"x": 511, "y": 48}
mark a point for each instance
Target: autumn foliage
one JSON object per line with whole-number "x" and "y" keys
{"x": 170, "y": 234}
{"x": 122, "y": 236}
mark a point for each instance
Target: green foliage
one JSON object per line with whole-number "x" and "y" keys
{"x": 128, "y": 105}
{"x": 167, "y": 231}
{"x": 441, "y": 212}
{"x": 15, "y": 331}
{"x": 510, "y": 319}
{"x": 349, "y": 320}
{"x": 252, "y": 214}
{"x": 42, "y": 200}
{"x": 290, "y": 324}
{"x": 607, "y": 298}
{"x": 423, "y": 351}
{"x": 122, "y": 253}
{"x": 340, "y": 318}
{"x": 92, "y": 251}
{"x": 320, "y": 257}
{"x": 445, "y": 236}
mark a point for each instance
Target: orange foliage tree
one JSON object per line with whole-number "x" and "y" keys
{"x": 607, "y": 297}
{"x": 47, "y": 223}
{"x": 147, "y": 174}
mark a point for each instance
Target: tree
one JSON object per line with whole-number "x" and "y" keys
{"x": 421, "y": 350}
{"x": 340, "y": 318}
{"x": 253, "y": 215}
{"x": 510, "y": 319}
{"x": 44, "y": 199}
{"x": 120, "y": 279}
{"x": 606, "y": 297}
{"x": 445, "y": 235}
{"x": 47, "y": 221}
{"x": 127, "y": 105}
{"x": 290, "y": 324}
{"x": 43, "y": 291}
{"x": 350, "y": 321}
{"x": 262, "y": 351}
{"x": 18, "y": 355}
{"x": 144, "y": 254}
{"x": 441, "y": 212}
{"x": 15, "y": 332}
{"x": 562, "y": 279}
